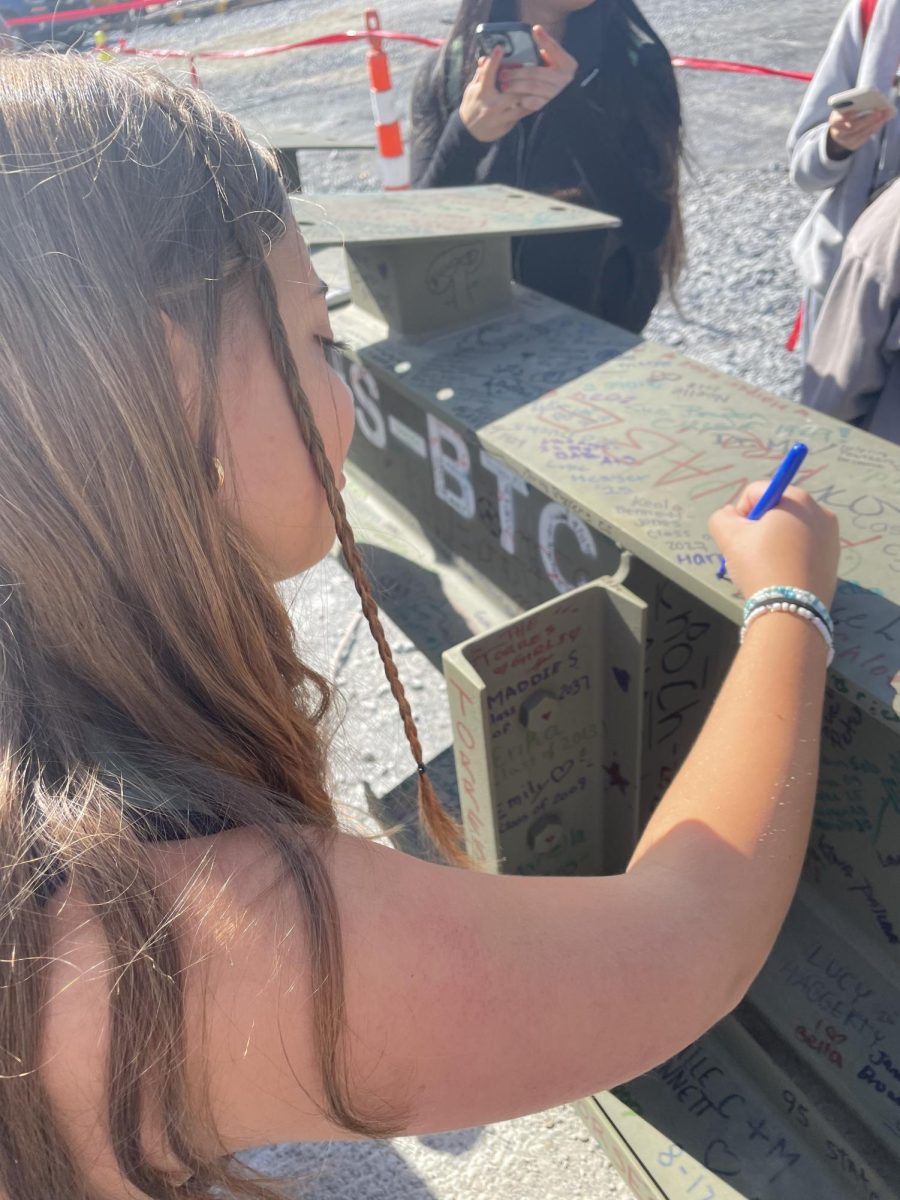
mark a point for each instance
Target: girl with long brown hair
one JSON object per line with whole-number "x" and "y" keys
{"x": 598, "y": 123}
{"x": 195, "y": 959}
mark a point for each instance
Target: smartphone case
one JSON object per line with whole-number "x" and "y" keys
{"x": 514, "y": 37}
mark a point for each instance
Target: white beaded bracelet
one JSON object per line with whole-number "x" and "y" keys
{"x": 795, "y": 610}
{"x": 794, "y": 596}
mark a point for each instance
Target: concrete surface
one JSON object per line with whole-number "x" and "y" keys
{"x": 738, "y": 299}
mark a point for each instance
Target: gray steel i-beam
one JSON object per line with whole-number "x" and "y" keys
{"x": 525, "y": 448}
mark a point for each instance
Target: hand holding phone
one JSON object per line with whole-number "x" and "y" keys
{"x": 862, "y": 100}
{"x": 856, "y": 115}
{"x": 490, "y": 109}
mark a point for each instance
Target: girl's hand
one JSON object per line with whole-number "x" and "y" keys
{"x": 795, "y": 544}
{"x": 496, "y": 100}
{"x": 535, "y": 87}
{"x": 848, "y": 131}
{"x": 486, "y": 112}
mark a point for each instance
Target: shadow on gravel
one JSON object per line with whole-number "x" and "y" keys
{"x": 459, "y": 1142}
{"x": 396, "y": 811}
{"x": 414, "y": 598}
{"x": 355, "y": 1170}
{"x": 707, "y": 327}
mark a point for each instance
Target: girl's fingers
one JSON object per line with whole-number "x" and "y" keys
{"x": 533, "y": 76}
{"x": 749, "y": 497}
{"x": 865, "y": 123}
{"x": 515, "y": 88}
{"x": 853, "y": 132}
{"x": 868, "y": 124}
{"x": 533, "y": 85}
{"x": 531, "y": 103}
{"x": 552, "y": 52}
{"x": 492, "y": 68}
{"x": 856, "y": 135}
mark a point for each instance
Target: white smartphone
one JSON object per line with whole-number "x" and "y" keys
{"x": 861, "y": 100}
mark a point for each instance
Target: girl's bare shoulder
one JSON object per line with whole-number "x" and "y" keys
{"x": 468, "y": 997}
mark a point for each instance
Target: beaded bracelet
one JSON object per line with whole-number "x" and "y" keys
{"x": 794, "y": 596}
{"x": 797, "y": 610}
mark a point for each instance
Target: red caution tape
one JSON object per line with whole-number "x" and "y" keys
{"x": 60, "y": 16}
{"x": 737, "y": 68}
{"x": 328, "y": 39}
{"x": 336, "y": 39}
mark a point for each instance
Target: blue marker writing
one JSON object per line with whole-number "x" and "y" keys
{"x": 771, "y": 497}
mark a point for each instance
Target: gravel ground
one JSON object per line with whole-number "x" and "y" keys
{"x": 739, "y": 293}
{"x": 548, "y": 1156}
{"x": 737, "y": 302}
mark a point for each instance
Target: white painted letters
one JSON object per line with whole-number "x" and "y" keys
{"x": 550, "y": 520}
{"x": 369, "y": 416}
{"x": 507, "y": 482}
{"x": 451, "y": 473}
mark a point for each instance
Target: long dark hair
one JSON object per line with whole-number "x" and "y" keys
{"x": 621, "y": 27}
{"x": 148, "y": 668}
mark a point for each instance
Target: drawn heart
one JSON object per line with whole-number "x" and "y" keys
{"x": 623, "y": 679}
{"x": 721, "y": 1159}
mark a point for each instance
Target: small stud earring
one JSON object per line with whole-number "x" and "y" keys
{"x": 220, "y": 474}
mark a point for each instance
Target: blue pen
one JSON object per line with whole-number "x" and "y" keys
{"x": 771, "y": 497}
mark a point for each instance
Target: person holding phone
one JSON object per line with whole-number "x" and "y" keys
{"x": 842, "y": 152}
{"x": 595, "y": 119}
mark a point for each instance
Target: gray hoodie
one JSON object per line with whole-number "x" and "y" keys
{"x": 846, "y": 185}
{"x": 853, "y": 365}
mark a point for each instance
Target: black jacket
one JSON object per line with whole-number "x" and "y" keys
{"x": 586, "y": 145}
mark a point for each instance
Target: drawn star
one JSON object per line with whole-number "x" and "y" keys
{"x": 616, "y": 778}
